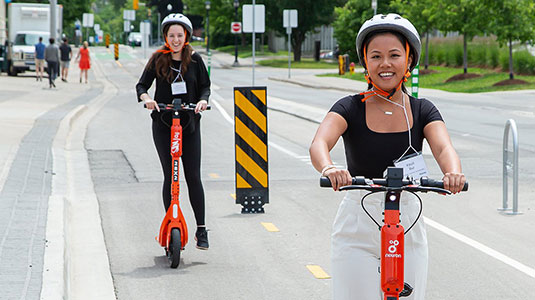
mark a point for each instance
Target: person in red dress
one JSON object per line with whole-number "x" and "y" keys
{"x": 85, "y": 63}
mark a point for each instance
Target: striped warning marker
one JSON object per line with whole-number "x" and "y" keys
{"x": 250, "y": 125}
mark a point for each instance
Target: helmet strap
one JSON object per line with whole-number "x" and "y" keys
{"x": 377, "y": 90}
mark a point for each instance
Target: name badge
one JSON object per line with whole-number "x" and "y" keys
{"x": 178, "y": 88}
{"x": 413, "y": 166}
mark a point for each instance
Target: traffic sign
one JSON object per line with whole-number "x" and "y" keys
{"x": 88, "y": 20}
{"x": 289, "y": 18}
{"x": 129, "y": 14}
{"x": 235, "y": 27}
{"x": 259, "y": 18}
{"x": 126, "y": 26}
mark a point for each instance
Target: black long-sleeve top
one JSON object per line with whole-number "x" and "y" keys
{"x": 196, "y": 77}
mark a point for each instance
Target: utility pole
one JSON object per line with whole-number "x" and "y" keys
{"x": 53, "y": 18}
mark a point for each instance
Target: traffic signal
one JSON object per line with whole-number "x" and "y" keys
{"x": 136, "y": 4}
{"x": 166, "y": 7}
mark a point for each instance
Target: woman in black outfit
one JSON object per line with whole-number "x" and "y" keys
{"x": 171, "y": 66}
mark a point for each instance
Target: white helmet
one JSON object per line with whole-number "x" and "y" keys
{"x": 178, "y": 19}
{"x": 390, "y": 22}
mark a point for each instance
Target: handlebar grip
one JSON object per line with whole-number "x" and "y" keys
{"x": 326, "y": 182}
{"x": 424, "y": 181}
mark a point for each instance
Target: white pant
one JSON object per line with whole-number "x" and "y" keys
{"x": 356, "y": 248}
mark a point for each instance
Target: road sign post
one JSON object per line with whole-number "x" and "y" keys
{"x": 235, "y": 28}
{"x": 289, "y": 21}
{"x": 253, "y": 22}
{"x": 87, "y": 21}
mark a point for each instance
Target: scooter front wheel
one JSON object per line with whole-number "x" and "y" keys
{"x": 173, "y": 253}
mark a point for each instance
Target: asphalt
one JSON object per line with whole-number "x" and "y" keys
{"x": 45, "y": 182}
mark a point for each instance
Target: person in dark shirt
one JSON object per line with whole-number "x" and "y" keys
{"x": 39, "y": 59}
{"x": 52, "y": 60}
{"x": 172, "y": 64}
{"x": 380, "y": 128}
{"x": 66, "y": 56}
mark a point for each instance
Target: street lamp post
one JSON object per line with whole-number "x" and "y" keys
{"x": 207, "y": 6}
{"x": 236, "y": 5}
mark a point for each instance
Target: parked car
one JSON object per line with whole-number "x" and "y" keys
{"x": 134, "y": 38}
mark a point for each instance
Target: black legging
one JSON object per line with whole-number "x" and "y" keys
{"x": 191, "y": 161}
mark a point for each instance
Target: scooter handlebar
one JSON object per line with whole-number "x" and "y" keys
{"x": 359, "y": 180}
{"x": 189, "y": 106}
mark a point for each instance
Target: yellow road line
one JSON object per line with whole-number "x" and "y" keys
{"x": 270, "y": 227}
{"x": 213, "y": 175}
{"x": 119, "y": 63}
{"x": 318, "y": 272}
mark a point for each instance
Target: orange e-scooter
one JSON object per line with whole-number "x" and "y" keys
{"x": 392, "y": 232}
{"x": 173, "y": 235}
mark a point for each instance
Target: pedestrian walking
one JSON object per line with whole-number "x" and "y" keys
{"x": 66, "y": 56}
{"x": 52, "y": 61}
{"x": 381, "y": 127}
{"x": 39, "y": 59}
{"x": 85, "y": 60}
{"x": 180, "y": 73}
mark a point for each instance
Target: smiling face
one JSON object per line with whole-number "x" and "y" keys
{"x": 176, "y": 37}
{"x": 386, "y": 57}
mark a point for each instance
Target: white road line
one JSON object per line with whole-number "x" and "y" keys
{"x": 477, "y": 245}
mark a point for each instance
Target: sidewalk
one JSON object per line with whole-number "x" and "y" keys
{"x": 30, "y": 114}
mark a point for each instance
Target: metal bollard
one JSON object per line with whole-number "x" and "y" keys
{"x": 508, "y": 165}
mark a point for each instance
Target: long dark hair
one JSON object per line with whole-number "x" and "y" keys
{"x": 400, "y": 37}
{"x": 163, "y": 61}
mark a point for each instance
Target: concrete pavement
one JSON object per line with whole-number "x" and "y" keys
{"x": 44, "y": 173}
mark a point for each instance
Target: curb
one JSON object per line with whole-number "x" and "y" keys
{"x": 76, "y": 264}
{"x": 321, "y": 87}
{"x": 54, "y": 280}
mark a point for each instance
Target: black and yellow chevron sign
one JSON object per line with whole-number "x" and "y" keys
{"x": 250, "y": 126}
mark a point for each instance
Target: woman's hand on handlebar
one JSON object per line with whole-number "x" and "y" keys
{"x": 454, "y": 182}
{"x": 338, "y": 177}
{"x": 151, "y": 104}
{"x": 201, "y": 106}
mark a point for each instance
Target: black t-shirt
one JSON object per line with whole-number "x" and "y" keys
{"x": 196, "y": 77}
{"x": 369, "y": 153}
{"x": 65, "y": 50}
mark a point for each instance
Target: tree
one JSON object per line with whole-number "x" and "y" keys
{"x": 221, "y": 15}
{"x": 421, "y": 15}
{"x": 511, "y": 20}
{"x": 348, "y": 20}
{"x": 311, "y": 14}
{"x": 468, "y": 17}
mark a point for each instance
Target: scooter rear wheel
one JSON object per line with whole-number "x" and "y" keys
{"x": 173, "y": 253}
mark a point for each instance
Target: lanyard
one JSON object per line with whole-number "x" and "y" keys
{"x": 408, "y": 124}
{"x": 179, "y": 75}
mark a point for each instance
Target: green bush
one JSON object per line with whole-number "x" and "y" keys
{"x": 523, "y": 62}
{"x": 504, "y": 60}
{"x": 493, "y": 54}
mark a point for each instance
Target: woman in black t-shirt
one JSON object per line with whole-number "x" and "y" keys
{"x": 379, "y": 127}
{"x": 173, "y": 63}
